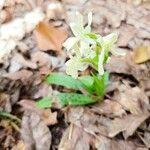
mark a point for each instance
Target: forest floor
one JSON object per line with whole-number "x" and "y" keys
{"x": 33, "y": 50}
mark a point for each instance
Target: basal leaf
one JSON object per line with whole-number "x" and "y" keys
{"x": 44, "y": 103}
{"x": 74, "y": 99}
{"x": 63, "y": 80}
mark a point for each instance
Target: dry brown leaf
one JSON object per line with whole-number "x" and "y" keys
{"x": 99, "y": 125}
{"x": 125, "y": 65}
{"x": 49, "y": 37}
{"x": 48, "y": 117}
{"x": 108, "y": 144}
{"x": 19, "y": 146}
{"x": 146, "y": 139}
{"x": 19, "y": 75}
{"x": 75, "y": 138}
{"x": 34, "y": 132}
{"x": 18, "y": 62}
{"x": 132, "y": 99}
{"x": 127, "y": 124}
{"x": 141, "y": 54}
{"x": 85, "y": 118}
{"x": 5, "y": 104}
{"x": 127, "y": 32}
{"x": 109, "y": 108}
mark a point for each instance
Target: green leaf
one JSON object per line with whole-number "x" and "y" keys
{"x": 45, "y": 102}
{"x": 100, "y": 83}
{"x": 74, "y": 99}
{"x": 87, "y": 82}
{"x": 64, "y": 80}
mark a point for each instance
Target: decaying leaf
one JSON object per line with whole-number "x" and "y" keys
{"x": 15, "y": 30}
{"x": 75, "y": 138}
{"x": 141, "y": 54}
{"x": 34, "y": 132}
{"x": 125, "y": 65}
{"x": 109, "y": 108}
{"x": 19, "y": 146}
{"x": 48, "y": 117}
{"x": 95, "y": 125}
{"x": 132, "y": 99}
{"x": 127, "y": 124}
{"x": 5, "y": 103}
{"x": 19, "y": 75}
{"x": 49, "y": 37}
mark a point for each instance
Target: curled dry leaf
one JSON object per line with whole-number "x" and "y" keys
{"x": 141, "y": 54}
{"x": 132, "y": 99}
{"x": 49, "y": 37}
{"x": 34, "y": 132}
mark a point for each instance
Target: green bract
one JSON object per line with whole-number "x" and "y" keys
{"x": 87, "y": 48}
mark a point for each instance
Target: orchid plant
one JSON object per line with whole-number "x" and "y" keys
{"x": 85, "y": 49}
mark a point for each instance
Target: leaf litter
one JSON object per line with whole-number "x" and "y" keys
{"x": 120, "y": 122}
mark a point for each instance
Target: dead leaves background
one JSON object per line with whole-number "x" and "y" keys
{"x": 121, "y": 122}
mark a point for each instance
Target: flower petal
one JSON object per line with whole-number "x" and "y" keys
{"x": 109, "y": 40}
{"x": 88, "y": 27}
{"x": 73, "y": 66}
{"x": 100, "y": 62}
{"x": 70, "y": 43}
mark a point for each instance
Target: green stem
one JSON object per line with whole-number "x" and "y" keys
{"x": 10, "y": 116}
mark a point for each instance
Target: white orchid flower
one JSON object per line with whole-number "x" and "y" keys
{"x": 79, "y": 31}
{"x": 74, "y": 65}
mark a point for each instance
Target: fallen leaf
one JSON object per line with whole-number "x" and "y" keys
{"x": 19, "y": 146}
{"x": 48, "y": 117}
{"x": 15, "y": 30}
{"x": 141, "y": 54}
{"x": 34, "y": 132}
{"x": 127, "y": 124}
{"x": 127, "y": 32}
{"x": 109, "y": 108}
{"x": 132, "y": 99}
{"x": 49, "y": 37}
{"x": 5, "y": 103}
{"x": 75, "y": 138}
{"x": 100, "y": 125}
{"x": 19, "y": 75}
{"x": 125, "y": 65}
{"x": 55, "y": 10}
{"x": 18, "y": 61}
{"x": 146, "y": 137}
{"x": 107, "y": 144}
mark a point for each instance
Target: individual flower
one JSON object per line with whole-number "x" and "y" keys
{"x": 80, "y": 33}
{"x": 74, "y": 65}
